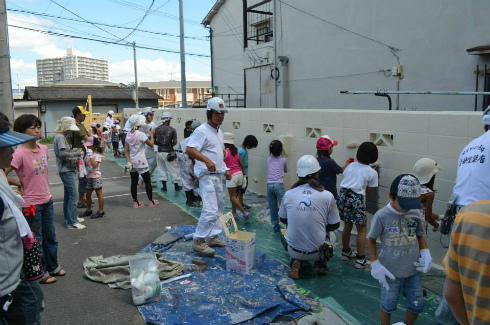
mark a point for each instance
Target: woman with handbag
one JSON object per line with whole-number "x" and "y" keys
{"x": 30, "y": 163}
{"x": 67, "y": 163}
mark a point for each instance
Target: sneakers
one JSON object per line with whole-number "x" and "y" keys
{"x": 294, "y": 274}
{"x": 277, "y": 227}
{"x": 246, "y": 216}
{"x": 87, "y": 213}
{"x": 201, "y": 247}
{"x": 362, "y": 264}
{"x": 97, "y": 215}
{"x": 77, "y": 225}
{"x": 80, "y": 220}
{"x": 347, "y": 256}
{"x": 177, "y": 187}
{"x": 216, "y": 242}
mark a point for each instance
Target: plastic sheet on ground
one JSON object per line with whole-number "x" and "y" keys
{"x": 353, "y": 293}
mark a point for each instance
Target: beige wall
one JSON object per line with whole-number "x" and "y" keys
{"x": 438, "y": 135}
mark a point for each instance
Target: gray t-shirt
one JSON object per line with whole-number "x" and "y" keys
{"x": 399, "y": 242}
{"x": 62, "y": 152}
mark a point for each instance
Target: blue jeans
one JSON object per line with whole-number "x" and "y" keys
{"x": 444, "y": 314}
{"x": 413, "y": 288}
{"x": 43, "y": 227}
{"x": 32, "y": 300}
{"x": 70, "y": 198}
{"x": 275, "y": 192}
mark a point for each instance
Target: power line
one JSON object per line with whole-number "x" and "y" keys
{"x": 108, "y": 42}
{"x": 142, "y": 19}
{"x": 199, "y": 38}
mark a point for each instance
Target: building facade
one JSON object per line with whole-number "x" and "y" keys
{"x": 302, "y": 54}
{"x": 56, "y": 70}
{"x": 171, "y": 95}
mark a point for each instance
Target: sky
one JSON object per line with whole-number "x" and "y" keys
{"x": 83, "y": 18}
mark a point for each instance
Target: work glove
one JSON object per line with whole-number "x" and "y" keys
{"x": 128, "y": 167}
{"x": 379, "y": 272}
{"x": 244, "y": 182}
{"x": 425, "y": 261}
{"x": 89, "y": 153}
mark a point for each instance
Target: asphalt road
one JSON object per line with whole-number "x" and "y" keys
{"x": 74, "y": 299}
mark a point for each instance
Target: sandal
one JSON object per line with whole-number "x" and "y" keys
{"x": 48, "y": 280}
{"x": 138, "y": 206}
{"x": 59, "y": 273}
{"x": 153, "y": 203}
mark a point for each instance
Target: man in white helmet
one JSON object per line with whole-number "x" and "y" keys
{"x": 109, "y": 120}
{"x": 148, "y": 128}
{"x": 166, "y": 139}
{"x": 310, "y": 213}
{"x": 207, "y": 148}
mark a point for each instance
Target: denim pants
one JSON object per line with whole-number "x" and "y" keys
{"x": 275, "y": 192}
{"x": 43, "y": 226}
{"x": 32, "y": 300}
{"x": 70, "y": 198}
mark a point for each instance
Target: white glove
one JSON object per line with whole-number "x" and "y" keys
{"x": 128, "y": 167}
{"x": 379, "y": 272}
{"x": 425, "y": 261}
{"x": 89, "y": 153}
{"x": 244, "y": 181}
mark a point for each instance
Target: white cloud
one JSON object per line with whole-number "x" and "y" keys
{"x": 20, "y": 66}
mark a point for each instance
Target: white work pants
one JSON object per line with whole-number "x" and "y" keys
{"x": 167, "y": 168}
{"x": 151, "y": 158}
{"x": 211, "y": 192}
{"x": 186, "y": 168}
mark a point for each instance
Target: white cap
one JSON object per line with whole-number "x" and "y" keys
{"x": 425, "y": 168}
{"x": 228, "y": 138}
{"x": 111, "y": 112}
{"x": 136, "y": 120}
{"x": 486, "y": 116}
{"x": 216, "y": 104}
{"x": 307, "y": 165}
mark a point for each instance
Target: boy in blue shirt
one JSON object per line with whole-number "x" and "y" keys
{"x": 249, "y": 142}
{"x": 404, "y": 252}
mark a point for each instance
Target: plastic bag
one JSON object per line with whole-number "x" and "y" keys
{"x": 145, "y": 282}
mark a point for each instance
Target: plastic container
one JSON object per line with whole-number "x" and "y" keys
{"x": 145, "y": 282}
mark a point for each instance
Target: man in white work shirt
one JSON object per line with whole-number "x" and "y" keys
{"x": 207, "y": 148}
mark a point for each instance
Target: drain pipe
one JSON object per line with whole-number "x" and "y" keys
{"x": 387, "y": 96}
{"x": 285, "y": 83}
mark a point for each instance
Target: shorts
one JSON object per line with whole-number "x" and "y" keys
{"x": 82, "y": 184}
{"x": 115, "y": 145}
{"x": 236, "y": 180}
{"x": 413, "y": 289}
{"x": 94, "y": 183}
{"x": 351, "y": 207}
{"x": 241, "y": 189}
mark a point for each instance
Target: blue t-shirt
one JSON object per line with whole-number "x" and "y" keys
{"x": 244, "y": 156}
{"x": 328, "y": 174}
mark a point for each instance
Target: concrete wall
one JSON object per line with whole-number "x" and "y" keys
{"x": 438, "y": 135}
{"x": 324, "y": 59}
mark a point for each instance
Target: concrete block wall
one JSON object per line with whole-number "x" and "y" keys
{"x": 406, "y": 136}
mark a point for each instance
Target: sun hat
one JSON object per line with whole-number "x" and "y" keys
{"x": 228, "y": 138}
{"x": 406, "y": 188}
{"x": 10, "y": 138}
{"x": 425, "y": 168}
{"x": 325, "y": 143}
{"x": 66, "y": 124}
{"x": 91, "y": 141}
{"x": 93, "y": 125}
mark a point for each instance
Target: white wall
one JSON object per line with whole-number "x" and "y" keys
{"x": 324, "y": 59}
{"x": 438, "y": 135}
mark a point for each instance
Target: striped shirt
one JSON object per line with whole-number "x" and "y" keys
{"x": 468, "y": 259}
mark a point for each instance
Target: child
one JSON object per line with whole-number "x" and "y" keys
{"x": 277, "y": 166}
{"x": 93, "y": 129}
{"x": 404, "y": 252}
{"x": 94, "y": 177}
{"x": 425, "y": 170}
{"x": 359, "y": 179}
{"x": 249, "y": 142}
{"x": 115, "y": 141}
{"x": 105, "y": 139}
{"x": 99, "y": 131}
{"x": 329, "y": 168}
{"x": 237, "y": 170}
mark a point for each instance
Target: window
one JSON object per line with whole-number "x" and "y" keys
{"x": 259, "y": 22}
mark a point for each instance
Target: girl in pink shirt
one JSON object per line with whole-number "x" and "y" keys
{"x": 30, "y": 162}
{"x": 94, "y": 177}
{"x": 237, "y": 170}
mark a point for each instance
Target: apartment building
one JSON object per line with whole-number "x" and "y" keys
{"x": 170, "y": 92}
{"x": 55, "y": 70}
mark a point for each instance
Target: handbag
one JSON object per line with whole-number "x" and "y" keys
{"x": 171, "y": 156}
{"x": 32, "y": 266}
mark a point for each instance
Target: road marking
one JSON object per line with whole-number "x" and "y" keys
{"x": 102, "y": 178}
{"x": 106, "y": 197}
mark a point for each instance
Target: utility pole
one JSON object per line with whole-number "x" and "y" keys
{"x": 183, "y": 85}
{"x": 136, "y": 94}
{"x": 6, "y": 103}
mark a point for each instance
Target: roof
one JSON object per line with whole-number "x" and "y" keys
{"x": 207, "y": 20}
{"x": 81, "y": 81}
{"x": 479, "y": 50}
{"x": 81, "y": 93}
{"x": 176, "y": 84}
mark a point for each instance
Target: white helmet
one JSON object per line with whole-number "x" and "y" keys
{"x": 136, "y": 120}
{"x": 307, "y": 165}
{"x": 111, "y": 112}
{"x": 147, "y": 110}
{"x": 165, "y": 116}
{"x": 217, "y": 104}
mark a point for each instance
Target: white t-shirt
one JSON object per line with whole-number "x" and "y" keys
{"x": 109, "y": 121}
{"x": 209, "y": 142}
{"x": 136, "y": 142}
{"x": 127, "y": 127}
{"x": 357, "y": 177}
{"x": 473, "y": 178}
{"x": 308, "y": 213}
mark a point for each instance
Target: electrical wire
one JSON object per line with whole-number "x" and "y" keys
{"x": 142, "y": 19}
{"x": 340, "y": 76}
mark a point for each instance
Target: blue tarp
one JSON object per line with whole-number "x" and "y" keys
{"x": 217, "y": 296}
